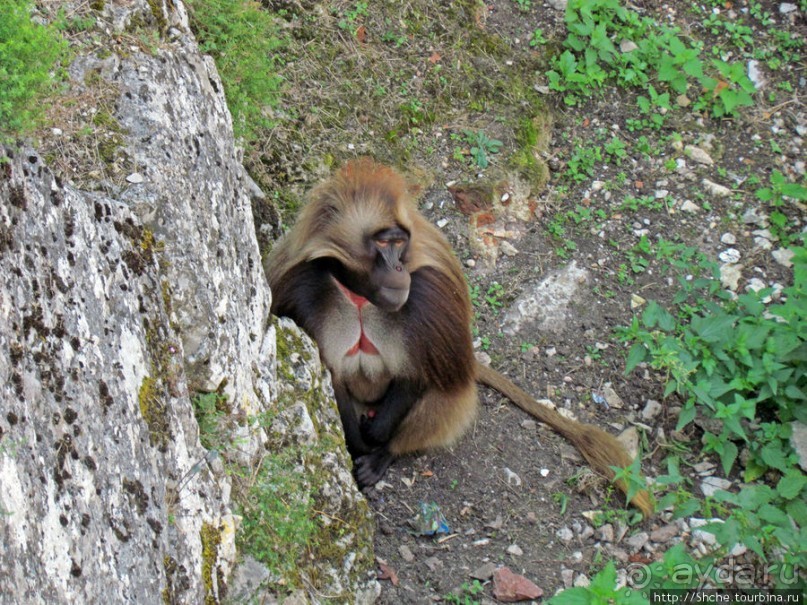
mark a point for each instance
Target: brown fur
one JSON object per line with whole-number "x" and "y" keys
{"x": 427, "y": 343}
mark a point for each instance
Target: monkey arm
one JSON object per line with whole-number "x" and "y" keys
{"x": 390, "y": 410}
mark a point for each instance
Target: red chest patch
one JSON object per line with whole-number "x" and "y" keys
{"x": 363, "y": 345}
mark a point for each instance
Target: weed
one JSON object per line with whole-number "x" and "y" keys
{"x": 657, "y": 53}
{"x": 244, "y": 40}
{"x": 584, "y": 159}
{"x": 278, "y": 523}
{"x": 481, "y": 147}
{"x": 465, "y": 594}
{"x": 562, "y": 500}
{"x": 212, "y": 412}
{"x": 740, "y": 364}
{"x": 537, "y": 38}
{"x": 28, "y": 54}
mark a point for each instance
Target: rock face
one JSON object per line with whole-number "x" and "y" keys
{"x": 116, "y": 309}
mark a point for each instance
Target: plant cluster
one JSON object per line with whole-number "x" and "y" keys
{"x": 245, "y": 41}
{"x": 742, "y": 366}
{"x": 609, "y": 43}
{"x": 29, "y": 53}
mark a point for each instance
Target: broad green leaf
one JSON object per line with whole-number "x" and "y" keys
{"x": 714, "y": 328}
{"x": 791, "y": 484}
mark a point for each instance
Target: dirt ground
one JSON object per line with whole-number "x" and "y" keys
{"x": 501, "y": 489}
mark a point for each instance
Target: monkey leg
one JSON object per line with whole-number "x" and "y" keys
{"x": 389, "y": 412}
{"x": 438, "y": 419}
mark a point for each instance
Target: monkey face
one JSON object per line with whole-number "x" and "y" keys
{"x": 377, "y": 274}
{"x": 389, "y": 277}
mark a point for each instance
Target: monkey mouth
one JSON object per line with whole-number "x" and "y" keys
{"x": 392, "y": 299}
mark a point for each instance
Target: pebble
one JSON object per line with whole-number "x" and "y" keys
{"x": 729, "y": 256}
{"x": 665, "y": 533}
{"x": 752, "y": 217}
{"x": 627, "y": 46}
{"x": 582, "y": 581}
{"x": 508, "y": 248}
{"x": 406, "y": 553}
{"x": 787, "y": 7}
{"x": 509, "y": 587}
{"x": 567, "y": 575}
{"x": 755, "y": 74}
{"x": 729, "y": 239}
{"x": 651, "y": 409}
{"x": 433, "y": 563}
{"x": 730, "y": 275}
{"x": 716, "y": 189}
{"x": 755, "y": 284}
{"x": 698, "y": 155}
{"x": 611, "y": 397}
{"x": 515, "y": 550}
{"x": 606, "y": 533}
{"x": 135, "y": 178}
{"x": 637, "y": 541}
{"x": 690, "y": 207}
{"x": 798, "y": 441}
{"x": 442, "y": 222}
{"x": 711, "y": 485}
{"x": 485, "y": 572}
{"x": 565, "y": 535}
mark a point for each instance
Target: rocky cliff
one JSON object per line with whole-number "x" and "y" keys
{"x": 121, "y": 302}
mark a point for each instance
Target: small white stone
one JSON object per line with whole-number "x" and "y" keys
{"x": 442, "y": 222}
{"x": 729, "y": 255}
{"x": 690, "y": 207}
{"x": 699, "y": 155}
{"x": 651, "y": 409}
{"x": 135, "y": 178}
{"x": 636, "y": 301}
{"x": 565, "y": 535}
{"x": 470, "y": 263}
{"x": 755, "y": 284}
{"x": 627, "y": 46}
{"x": 729, "y": 239}
{"x": 716, "y": 189}
{"x": 515, "y": 550}
{"x": 783, "y": 256}
{"x": 508, "y": 248}
{"x": 755, "y": 74}
{"x": 544, "y": 472}
{"x": 711, "y": 485}
{"x": 787, "y": 7}
{"x": 730, "y": 275}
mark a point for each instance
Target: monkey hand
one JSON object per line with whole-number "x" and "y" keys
{"x": 371, "y": 467}
{"x": 373, "y": 430}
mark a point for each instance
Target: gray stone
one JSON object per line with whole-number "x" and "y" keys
{"x": 651, "y": 409}
{"x": 545, "y": 305}
{"x": 116, "y": 309}
{"x": 798, "y": 441}
{"x": 637, "y": 541}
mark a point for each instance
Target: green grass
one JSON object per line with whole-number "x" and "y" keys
{"x": 246, "y": 43}
{"x": 29, "y": 53}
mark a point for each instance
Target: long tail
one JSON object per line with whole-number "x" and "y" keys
{"x": 600, "y": 449}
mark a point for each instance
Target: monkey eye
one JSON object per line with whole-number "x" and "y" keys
{"x": 394, "y": 237}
